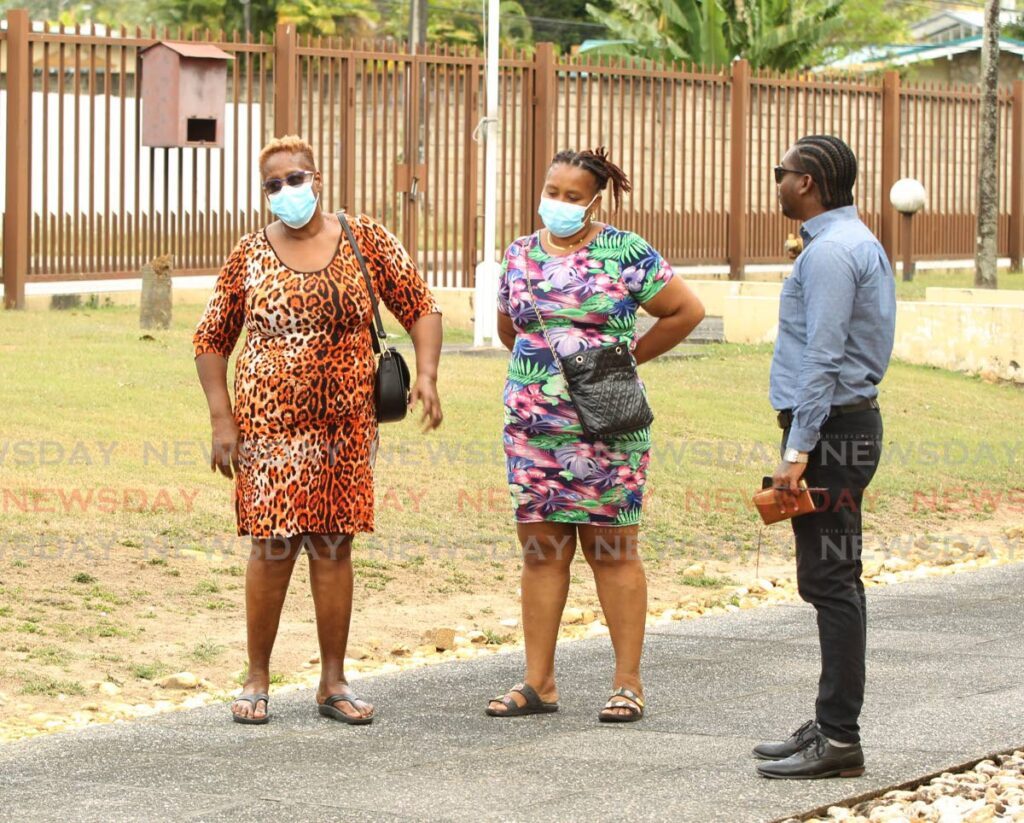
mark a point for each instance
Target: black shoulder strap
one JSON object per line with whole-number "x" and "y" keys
{"x": 379, "y": 333}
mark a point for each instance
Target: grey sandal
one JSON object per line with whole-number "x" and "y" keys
{"x": 329, "y": 709}
{"x": 635, "y": 711}
{"x": 252, "y": 700}
{"x": 533, "y": 705}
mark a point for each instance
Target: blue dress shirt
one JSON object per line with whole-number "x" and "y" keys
{"x": 837, "y": 320}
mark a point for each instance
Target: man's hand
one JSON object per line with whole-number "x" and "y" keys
{"x": 786, "y": 482}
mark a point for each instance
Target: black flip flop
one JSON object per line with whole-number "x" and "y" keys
{"x": 252, "y": 699}
{"x": 533, "y": 705}
{"x": 635, "y": 711}
{"x": 329, "y": 709}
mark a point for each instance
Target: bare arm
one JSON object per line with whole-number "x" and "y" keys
{"x": 506, "y": 331}
{"x": 678, "y": 310}
{"x": 426, "y": 336}
{"x": 213, "y": 376}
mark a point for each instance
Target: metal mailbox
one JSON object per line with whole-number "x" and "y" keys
{"x": 184, "y": 90}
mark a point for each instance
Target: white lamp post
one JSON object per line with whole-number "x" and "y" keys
{"x": 908, "y": 198}
{"x": 488, "y": 270}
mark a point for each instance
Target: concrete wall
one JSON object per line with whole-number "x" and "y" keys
{"x": 979, "y": 339}
{"x": 970, "y": 337}
{"x": 456, "y": 304}
{"x": 750, "y": 319}
{"x": 713, "y": 293}
{"x": 987, "y": 297}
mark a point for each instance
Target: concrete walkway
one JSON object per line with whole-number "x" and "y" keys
{"x": 945, "y": 685}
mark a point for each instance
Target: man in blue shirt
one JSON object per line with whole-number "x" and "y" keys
{"x": 837, "y": 318}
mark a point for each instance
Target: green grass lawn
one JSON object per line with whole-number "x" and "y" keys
{"x": 92, "y": 405}
{"x": 119, "y": 560}
{"x": 950, "y": 278}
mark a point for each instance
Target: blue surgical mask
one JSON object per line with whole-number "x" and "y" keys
{"x": 563, "y": 219}
{"x": 294, "y": 205}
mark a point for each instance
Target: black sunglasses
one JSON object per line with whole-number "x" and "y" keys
{"x": 782, "y": 171}
{"x": 274, "y": 184}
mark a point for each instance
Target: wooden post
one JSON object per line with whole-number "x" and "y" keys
{"x": 411, "y": 179}
{"x": 740, "y": 114}
{"x": 348, "y": 135}
{"x": 286, "y": 80}
{"x": 19, "y": 151}
{"x": 890, "y": 161}
{"x": 907, "y": 241}
{"x": 1016, "y": 173}
{"x": 545, "y": 95}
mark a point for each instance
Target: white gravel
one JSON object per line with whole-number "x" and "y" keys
{"x": 992, "y": 791}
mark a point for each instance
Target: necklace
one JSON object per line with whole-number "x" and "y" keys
{"x": 571, "y": 246}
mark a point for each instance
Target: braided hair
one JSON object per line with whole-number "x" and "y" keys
{"x": 598, "y": 164}
{"x": 832, "y": 166}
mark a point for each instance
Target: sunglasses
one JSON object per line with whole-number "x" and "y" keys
{"x": 274, "y": 184}
{"x": 782, "y": 171}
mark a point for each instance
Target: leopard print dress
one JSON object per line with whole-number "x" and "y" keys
{"x": 304, "y": 378}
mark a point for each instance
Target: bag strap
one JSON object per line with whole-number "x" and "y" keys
{"x": 544, "y": 327}
{"x": 378, "y": 333}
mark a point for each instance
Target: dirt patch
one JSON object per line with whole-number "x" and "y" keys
{"x": 88, "y": 636}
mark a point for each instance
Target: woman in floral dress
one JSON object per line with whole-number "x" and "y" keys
{"x": 587, "y": 279}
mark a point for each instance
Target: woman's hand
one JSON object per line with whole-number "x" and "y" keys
{"x": 224, "y": 446}
{"x": 425, "y": 391}
{"x": 679, "y": 311}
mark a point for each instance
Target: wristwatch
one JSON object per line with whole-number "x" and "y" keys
{"x": 793, "y": 456}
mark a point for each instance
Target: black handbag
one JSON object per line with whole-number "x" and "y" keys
{"x": 603, "y": 386}
{"x": 391, "y": 387}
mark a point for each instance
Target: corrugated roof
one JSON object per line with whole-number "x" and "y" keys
{"x": 905, "y": 54}
{"x": 203, "y": 50}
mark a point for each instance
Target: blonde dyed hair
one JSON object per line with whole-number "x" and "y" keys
{"x": 290, "y": 143}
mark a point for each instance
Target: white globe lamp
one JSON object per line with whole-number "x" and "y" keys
{"x": 908, "y": 197}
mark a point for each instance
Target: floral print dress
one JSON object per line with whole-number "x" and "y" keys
{"x": 588, "y": 298}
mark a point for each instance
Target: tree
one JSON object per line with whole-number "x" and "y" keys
{"x": 988, "y": 176}
{"x": 871, "y": 23}
{"x": 775, "y": 34}
{"x": 781, "y": 34}
{"x": 666, "y": 31}
{"x": 564, "y": 22}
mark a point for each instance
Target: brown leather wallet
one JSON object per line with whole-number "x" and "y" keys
{"x": 771, "y": 512}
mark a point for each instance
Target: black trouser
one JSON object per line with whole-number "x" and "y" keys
{"x": 828, "y": 564}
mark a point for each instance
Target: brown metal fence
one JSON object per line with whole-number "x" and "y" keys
{"x": 395, "y": 137}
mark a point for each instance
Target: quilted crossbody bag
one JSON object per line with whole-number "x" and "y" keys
{"x": 391, "y": 387}
{"x": 603, "y": 386}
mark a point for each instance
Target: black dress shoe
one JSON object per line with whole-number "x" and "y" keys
{"x": 817, "y": 759}
{"x": 787, "y": 748}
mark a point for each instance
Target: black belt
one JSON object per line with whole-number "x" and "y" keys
{"x": 785, "y": 417}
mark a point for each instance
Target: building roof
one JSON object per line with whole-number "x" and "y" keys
{"x": 875, "y": 57}
{"x": 938, "y": 23}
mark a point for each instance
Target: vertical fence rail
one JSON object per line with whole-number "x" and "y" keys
{"x": 16, "y": 211}
{"x": 83, "y": 198}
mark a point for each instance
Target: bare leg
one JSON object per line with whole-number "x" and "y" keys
{"x": 330, "y": 579}
{"x": 266, "y": 583}
{"x": 622, "y": 588}
{"x": 548, "y": 549}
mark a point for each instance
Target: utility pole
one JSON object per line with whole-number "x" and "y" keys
{"x": 417, "y": 25}
{"x": 488, "y": 270}
{"x": 988, "y": 177}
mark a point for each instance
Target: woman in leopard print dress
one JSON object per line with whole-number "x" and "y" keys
{"x": 301, "y": 437}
